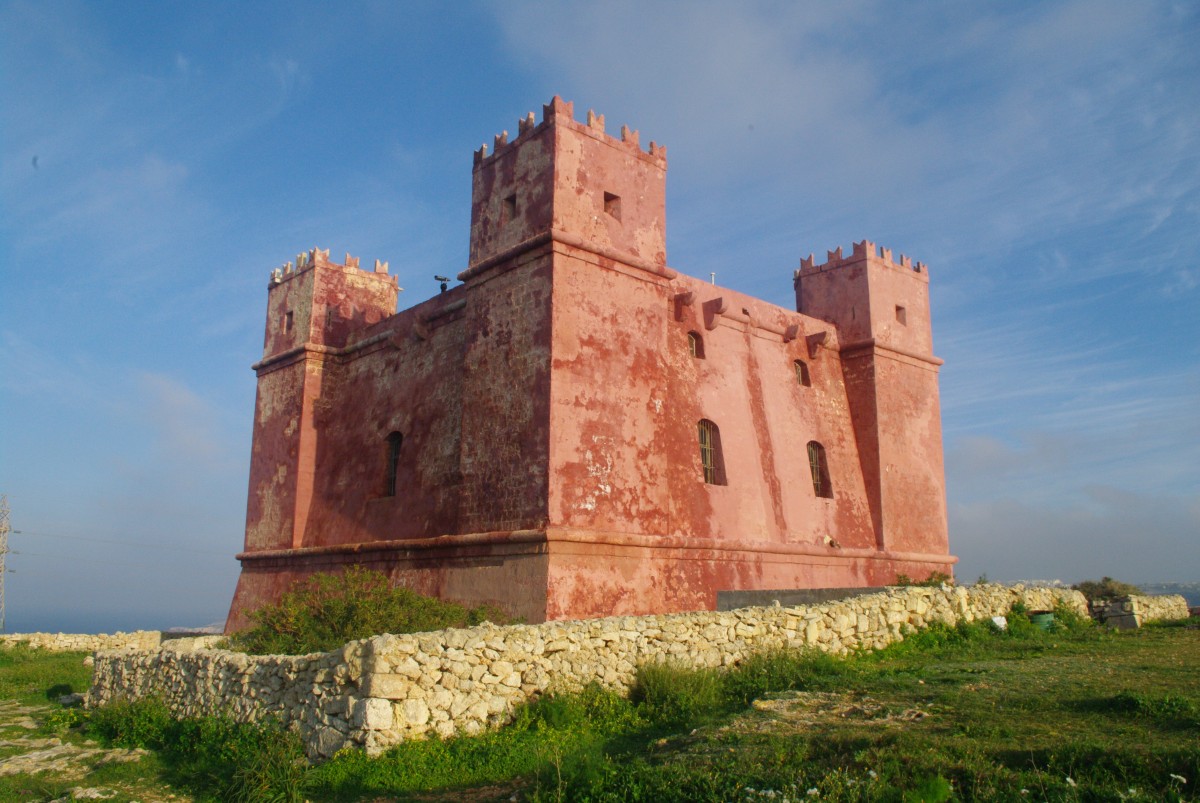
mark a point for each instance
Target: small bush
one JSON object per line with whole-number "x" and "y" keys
{"x": 1071, "y": 620}
{"x": 1105, "y": 589}
{"x": 142, "y": 723}
{"x": 327, "y": 610}
{"x": 273, "y": 773}
{"x": 1019, "y": 624}
{"x": 671, "y": 695}
{"x": 934, "y": 580}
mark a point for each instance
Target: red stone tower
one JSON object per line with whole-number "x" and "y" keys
{"x": 881, "y": 309}
{"x": 312, "y": 309}
{"x": 579, "y": 430}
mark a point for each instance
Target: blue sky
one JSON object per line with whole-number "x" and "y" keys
{"x": 159, "y": 159}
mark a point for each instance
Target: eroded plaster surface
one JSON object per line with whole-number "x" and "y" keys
{"x": 546, "y": 410}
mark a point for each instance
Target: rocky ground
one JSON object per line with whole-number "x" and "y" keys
{"x": 36, "y": 765}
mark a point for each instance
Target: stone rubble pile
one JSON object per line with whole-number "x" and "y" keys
{"x": 380, "y": 691}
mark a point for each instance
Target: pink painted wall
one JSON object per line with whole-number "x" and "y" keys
{"x": 549, "y": 409}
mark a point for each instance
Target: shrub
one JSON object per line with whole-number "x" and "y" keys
{"x": 1070, "y": 619}
{"x": 934, "y": 580}
{"x": 232, "y": 761}
{"x": 1105, "y": 589}
{"x": 327, "y": 610}
{"x": 669, "y": 694}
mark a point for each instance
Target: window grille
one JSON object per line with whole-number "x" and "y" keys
{"x": 695, "y": 345}
{"x": 393, "y": 461}
{"x": 819, "y": 467}
{"x": 802, "y": 373}
{"x": 710, "y": 453}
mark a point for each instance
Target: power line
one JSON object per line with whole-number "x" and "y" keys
{"x": 89, "y": 559}
{"x": 139, "y": 544}
{"x": 3, "y": 552}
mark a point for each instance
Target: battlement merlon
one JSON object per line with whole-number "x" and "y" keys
{"x": 318, "y": 257}
{"x": 561, "y": 112}
{"x": 860, "y": 252}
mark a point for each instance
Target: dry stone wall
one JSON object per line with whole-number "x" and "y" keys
{"x": 383, "y": 690}
{"x": 1135, "y": 611}
{"x": 85, "y": 642}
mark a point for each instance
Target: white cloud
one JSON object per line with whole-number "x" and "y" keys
{"x": 185, "y": 424}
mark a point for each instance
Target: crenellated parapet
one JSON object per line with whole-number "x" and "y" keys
{"x": 561, "y": 112}
{"x": 860, "y": 251}
{"x": 319, "y": 258}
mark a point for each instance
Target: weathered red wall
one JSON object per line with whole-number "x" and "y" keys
{"x": 549, "y": 409}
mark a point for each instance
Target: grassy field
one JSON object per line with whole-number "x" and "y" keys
{"x": 950, "y": 714}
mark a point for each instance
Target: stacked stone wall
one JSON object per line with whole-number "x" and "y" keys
{"x": 85, "y": 642}
{"x": 380, "y": 691}
{"x": 1135, "y": 611}
{"x": 1163, "y": 608}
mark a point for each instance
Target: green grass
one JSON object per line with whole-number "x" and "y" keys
{"x": 952, "y": 713}
{"x": 210, "y": 757}
{"x": 34, "y": 677}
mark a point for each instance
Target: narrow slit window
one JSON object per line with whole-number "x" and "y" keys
{"x": 612, "y": 205}
{"x": 509, "y": 213}
{"x": 710, "y": 453}
{"x": 901, "y": 315}
{"x": 802, "y": 376}
{"x": 394, "y": 441}
{"x": 287, "y": 322}
{"x": 696, "y": 345}
{"x": 819, "y": 467}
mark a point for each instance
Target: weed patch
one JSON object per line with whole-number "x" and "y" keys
{"x": 328, "y": 610}
{"x": 211, "y": 755}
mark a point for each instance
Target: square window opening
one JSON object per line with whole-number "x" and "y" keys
{"x": 612, "y": 205}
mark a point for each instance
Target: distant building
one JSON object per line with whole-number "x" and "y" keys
{"x": 577, "y": 429}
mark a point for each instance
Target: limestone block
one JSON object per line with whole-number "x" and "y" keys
{"x": 412, "y": 712}
{"x": 390, "y": 686}
{"x": 374, "y": 713}
{"x": 441, "y": 699}
{"x": 326, "y": 741}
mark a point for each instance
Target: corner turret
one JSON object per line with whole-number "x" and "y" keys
{"x": 319, "y": 302}
{"x": 869, "y": 296}
{"x": 881, "y": 309}
{"x": 571, "y": 182}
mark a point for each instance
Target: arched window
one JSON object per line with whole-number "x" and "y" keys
{"x": 710, "y": 453}
{"x": 820, "y": 470}
{"x": 696, "y": 345}
{"x": 393, "y": 462}
{"x": 802, "y": 373}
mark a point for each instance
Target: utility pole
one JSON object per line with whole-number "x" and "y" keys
{"x": 3, "y": 552}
